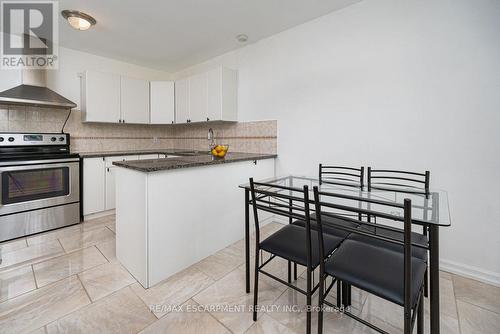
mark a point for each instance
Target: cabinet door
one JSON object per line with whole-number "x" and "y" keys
{"x": 161, "y": 98}
{"x": 101, "y": 97}
{"x": 214, "y": 94}
{"x": 134, "y": 101}
{"x": 198, "y": 98}
{"x": 110, "y": 188}
{"x": 93, "y": 185}
{"x": 182, "y": 101}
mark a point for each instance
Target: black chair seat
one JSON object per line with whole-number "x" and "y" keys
{"x": 290, "y": 243}
{"x": 417, "y": 238}
{"x": 375, "y": 270}
{"x": 327, "y": 227}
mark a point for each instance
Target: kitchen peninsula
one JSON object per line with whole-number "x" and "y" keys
{"x": 173, "y": 212}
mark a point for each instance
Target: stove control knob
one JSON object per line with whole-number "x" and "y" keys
{"x": 11, "y": 139}
{"x": 1, "y": 139}
{"x": 53, "y": 139}
{"x": 61, "y": 138}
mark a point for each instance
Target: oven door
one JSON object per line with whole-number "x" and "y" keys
{"x": 27, "y": 187}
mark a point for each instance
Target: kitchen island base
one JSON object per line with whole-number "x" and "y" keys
{"x": 168, "y": 220}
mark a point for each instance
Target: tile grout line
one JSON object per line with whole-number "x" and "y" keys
{"x": 211, "y": 315}
{"x": 471, "y": 302}
{"x": 34, "y": 277}
{"x": 84, "y": 289}
{"x": 61, "y": 279}
{"x": 456, "y": 306}
{"x": 103, "y": 254}
{"x": 83, "y": 306}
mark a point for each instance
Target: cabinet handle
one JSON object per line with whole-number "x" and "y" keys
{"x": 108, "y": 169}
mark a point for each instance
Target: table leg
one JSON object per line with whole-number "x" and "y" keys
{"x": 247, "y": 240}
{"x": 434, "y": 278}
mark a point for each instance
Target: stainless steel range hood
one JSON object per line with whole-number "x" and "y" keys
{"x": 33, "y": 91}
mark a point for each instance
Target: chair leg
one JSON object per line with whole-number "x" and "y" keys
{"x": 339, "y": 294}
{"x": 420, "y": 316}
{"x": 295, "y": 271}
{"x": 320, "y": 303}
{"x": 426, "y": 284}
{"x": 256, "y": 285}
{"x": 289, "y": 271}
{"x": 308, "y": 297}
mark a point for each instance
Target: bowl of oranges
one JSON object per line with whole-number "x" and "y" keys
{"x": 219, "y": 151}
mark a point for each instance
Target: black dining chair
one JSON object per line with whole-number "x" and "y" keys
{"x": 342, "y": 176}
{"x": 402, "y": 182}
{"x": 393, "y": 276}
{"x": 292, "y": 242}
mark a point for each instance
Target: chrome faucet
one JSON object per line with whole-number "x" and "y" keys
{"x": 211, "y": 139}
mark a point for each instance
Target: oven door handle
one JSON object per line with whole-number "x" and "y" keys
{"x": 36, "y": 162}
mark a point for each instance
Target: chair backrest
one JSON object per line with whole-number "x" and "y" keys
{"x": 328, "y": 200}
{"x": 399, "y": 181}
{"x": 285, "y": 201}
{"x": 339, "y": 175}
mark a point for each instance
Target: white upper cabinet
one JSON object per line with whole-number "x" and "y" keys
{"x": 182, "y": 101}
{"x": 209, "y": 96}
{"x": 161, "y": 100}
{"x": 134, "y": 101}
{"x": 100, "y": 97}
{"x": 198, "y": 98}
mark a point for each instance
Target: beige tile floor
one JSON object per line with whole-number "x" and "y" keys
{"x": 69, "y": 281}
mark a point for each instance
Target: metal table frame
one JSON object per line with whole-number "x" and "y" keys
{"x": 433, "y": 258}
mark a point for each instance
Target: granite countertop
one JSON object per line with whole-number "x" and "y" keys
{"x": 183, "y": 152}
{"x": 202, "y": 159}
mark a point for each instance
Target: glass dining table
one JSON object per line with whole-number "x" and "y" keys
{"x": 431, "y": 212}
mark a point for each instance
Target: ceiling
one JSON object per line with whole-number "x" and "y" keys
{"x": 173, "y": 34}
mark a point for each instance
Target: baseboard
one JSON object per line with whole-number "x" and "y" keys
{"x": 476, "y": 273}
{"x": 99, "y": 214}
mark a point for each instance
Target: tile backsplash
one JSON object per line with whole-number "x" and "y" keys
{"x": 252, "y": 137}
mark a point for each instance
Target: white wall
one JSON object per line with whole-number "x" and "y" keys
{"x": 402, "y": 84}
{"x": 65, "y": 80}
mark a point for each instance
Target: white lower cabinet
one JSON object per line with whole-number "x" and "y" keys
{"x": 99, "y": 192}
{"x": 93, "y": 185}
{"x": 110, "y": 188}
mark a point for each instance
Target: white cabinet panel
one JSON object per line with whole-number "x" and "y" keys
{"x": 100, "y": 97}
{"x": 134, "y": 101}
{"x": 110, "y": 188}
{"x": 182, "y": 101}
{"x": 210, "y": 96}
{"x": 229, "y": 95}
{"x": 198, "y": 98}
{"x": 214, "y": 94}
{"x": 161, "y": 95}
{"x": 93, "y": 185}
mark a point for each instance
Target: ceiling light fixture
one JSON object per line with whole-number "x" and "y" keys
{"x": 78, "y": 20}
{"x": 242, "y": 38}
